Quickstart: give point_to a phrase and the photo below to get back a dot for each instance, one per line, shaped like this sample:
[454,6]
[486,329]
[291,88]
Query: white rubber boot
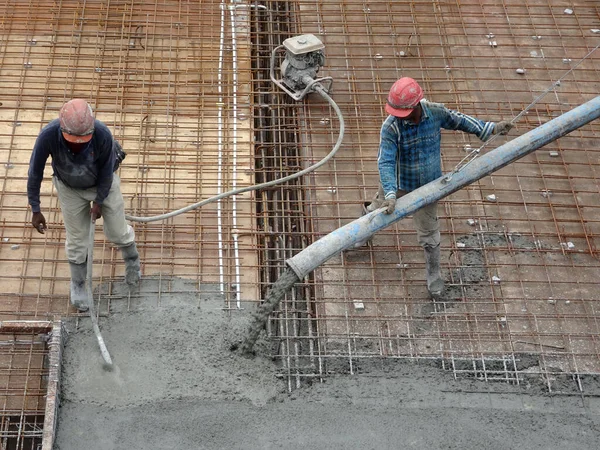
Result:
[133,270]
[435,282]
[79,296]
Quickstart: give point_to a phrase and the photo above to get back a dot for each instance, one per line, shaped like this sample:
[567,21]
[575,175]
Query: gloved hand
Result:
[96,211]
[503,127]
[389,204]
[39,222]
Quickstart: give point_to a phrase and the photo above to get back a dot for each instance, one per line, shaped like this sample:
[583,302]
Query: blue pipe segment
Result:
[364,227]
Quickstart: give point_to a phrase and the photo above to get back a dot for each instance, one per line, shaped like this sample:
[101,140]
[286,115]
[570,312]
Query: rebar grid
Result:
[522,270]
[171,80]
[23,390]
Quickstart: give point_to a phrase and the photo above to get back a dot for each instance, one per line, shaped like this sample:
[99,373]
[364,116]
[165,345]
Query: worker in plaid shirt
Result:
[409,157]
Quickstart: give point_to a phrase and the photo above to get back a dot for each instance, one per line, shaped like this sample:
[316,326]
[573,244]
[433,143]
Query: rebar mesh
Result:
[523,269]
[29,374]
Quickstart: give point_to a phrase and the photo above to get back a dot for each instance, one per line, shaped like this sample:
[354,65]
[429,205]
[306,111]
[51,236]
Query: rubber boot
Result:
[132,264]
[79,295]
[435,283]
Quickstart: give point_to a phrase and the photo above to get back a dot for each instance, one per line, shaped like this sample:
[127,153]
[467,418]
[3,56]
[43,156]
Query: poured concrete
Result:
[178,385]
[179,349]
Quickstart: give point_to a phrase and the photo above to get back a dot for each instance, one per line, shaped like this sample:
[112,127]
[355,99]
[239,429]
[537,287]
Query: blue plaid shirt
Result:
[409,154]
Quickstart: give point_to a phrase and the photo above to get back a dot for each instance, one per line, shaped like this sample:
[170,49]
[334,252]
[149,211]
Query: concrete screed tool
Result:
[108,364]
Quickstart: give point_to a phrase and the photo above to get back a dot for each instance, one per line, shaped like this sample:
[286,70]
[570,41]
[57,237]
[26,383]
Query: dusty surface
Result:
[178,386]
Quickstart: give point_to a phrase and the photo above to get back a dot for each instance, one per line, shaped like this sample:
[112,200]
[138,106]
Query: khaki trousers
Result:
[425,220]
[75,207]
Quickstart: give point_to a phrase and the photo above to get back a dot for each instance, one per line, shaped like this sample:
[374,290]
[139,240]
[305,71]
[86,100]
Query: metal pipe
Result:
[108,364]
[363,228]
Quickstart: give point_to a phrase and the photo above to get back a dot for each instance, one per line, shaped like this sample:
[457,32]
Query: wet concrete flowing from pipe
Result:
[259,318]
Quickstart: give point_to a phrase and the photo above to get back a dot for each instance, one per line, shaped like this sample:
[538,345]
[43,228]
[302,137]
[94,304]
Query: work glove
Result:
[39,222]
[389,204]
[503,127]
[96,211]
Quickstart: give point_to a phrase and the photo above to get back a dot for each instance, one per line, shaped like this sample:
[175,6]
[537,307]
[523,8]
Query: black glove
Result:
[503,127]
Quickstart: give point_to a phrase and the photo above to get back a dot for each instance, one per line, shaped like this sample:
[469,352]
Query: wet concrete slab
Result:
[177,385]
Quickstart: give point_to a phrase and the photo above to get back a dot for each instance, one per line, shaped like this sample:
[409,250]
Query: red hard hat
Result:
[404,96]
[76,121]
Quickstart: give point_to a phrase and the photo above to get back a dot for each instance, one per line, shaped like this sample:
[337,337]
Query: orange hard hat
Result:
[404,96]
[76,121]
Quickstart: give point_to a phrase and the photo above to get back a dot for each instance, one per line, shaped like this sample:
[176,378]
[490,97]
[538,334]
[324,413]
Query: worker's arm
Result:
[386,160]
[37,163]
[35,175]
[105,163]
[454,120]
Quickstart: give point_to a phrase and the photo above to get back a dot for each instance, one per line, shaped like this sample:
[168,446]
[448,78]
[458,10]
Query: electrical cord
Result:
[321,91]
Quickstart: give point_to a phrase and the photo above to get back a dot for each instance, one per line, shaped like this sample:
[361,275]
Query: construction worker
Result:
[84,158]
[409,157]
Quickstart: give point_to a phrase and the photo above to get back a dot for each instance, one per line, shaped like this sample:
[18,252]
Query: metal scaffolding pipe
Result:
[363,228]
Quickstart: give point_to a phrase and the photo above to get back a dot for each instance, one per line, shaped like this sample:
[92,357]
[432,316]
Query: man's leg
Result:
[76,216]
[428,234]
[119,232]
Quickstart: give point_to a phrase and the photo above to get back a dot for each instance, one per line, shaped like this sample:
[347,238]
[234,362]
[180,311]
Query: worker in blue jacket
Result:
[84,158]
[409,157]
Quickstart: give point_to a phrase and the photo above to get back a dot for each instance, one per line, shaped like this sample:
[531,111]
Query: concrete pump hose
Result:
[321,91]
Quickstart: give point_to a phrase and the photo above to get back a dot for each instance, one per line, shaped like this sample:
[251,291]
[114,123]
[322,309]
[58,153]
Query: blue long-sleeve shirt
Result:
[92,166]
[409,154]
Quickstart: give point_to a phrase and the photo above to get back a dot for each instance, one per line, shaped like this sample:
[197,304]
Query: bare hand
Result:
[39,222]
[503,127]
[96,211]
[389,204]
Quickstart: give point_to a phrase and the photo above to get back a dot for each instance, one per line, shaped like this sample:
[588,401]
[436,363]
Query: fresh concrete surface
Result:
[178,386]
